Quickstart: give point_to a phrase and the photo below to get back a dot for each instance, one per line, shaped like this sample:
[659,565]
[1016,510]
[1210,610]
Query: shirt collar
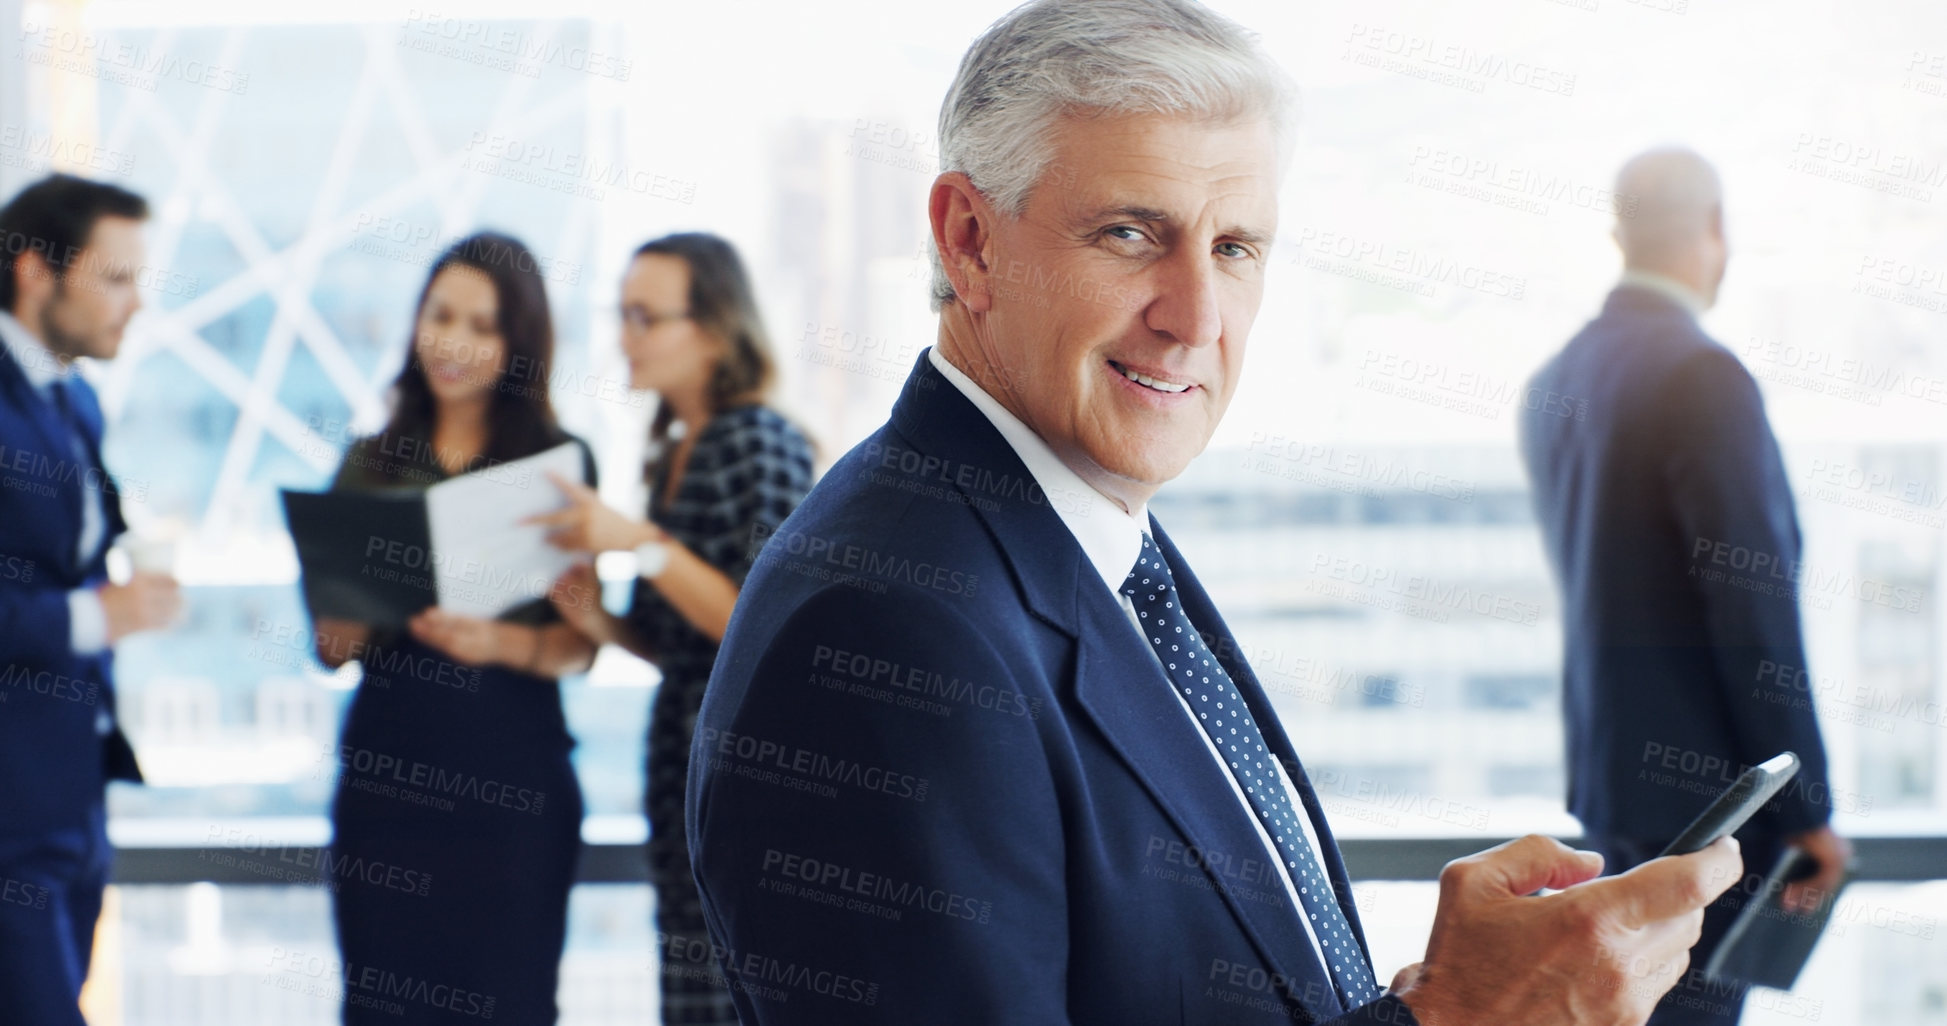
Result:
[1110,538]
[40,366]
[1667,287]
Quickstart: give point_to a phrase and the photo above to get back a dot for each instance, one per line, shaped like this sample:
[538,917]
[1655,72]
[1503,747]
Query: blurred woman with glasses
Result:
[724,469]
[456,825]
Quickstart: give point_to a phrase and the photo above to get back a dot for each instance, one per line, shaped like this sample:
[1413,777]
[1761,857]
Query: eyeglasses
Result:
[639,319]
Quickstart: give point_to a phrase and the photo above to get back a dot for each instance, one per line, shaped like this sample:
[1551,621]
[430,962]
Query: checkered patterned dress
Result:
[749,465]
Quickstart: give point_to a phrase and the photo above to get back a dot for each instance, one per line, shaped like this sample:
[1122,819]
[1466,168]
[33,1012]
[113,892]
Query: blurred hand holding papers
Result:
[487,560]
[380,557]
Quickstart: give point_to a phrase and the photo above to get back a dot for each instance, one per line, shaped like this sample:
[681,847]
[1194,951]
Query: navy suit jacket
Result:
[939,778]
[1666,512]
[53,763]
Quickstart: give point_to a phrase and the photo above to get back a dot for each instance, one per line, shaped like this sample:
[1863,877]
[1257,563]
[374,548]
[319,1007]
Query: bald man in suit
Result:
[1663,663]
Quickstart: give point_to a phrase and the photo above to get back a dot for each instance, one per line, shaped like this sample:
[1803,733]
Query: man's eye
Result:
[1236,249]
[1135,234]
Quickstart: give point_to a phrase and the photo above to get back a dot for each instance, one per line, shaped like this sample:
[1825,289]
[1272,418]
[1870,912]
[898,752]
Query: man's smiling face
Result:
[1118,303]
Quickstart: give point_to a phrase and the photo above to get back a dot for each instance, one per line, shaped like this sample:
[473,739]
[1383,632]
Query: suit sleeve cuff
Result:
[1796,817]
[87,622]
[1387,1011]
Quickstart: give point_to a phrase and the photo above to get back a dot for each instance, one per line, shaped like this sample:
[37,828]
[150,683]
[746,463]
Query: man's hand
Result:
[149,601]
[1598,953]
[1834,854]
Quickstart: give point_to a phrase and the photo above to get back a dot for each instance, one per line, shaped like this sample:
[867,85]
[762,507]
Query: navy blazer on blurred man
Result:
[1666,513]
[59,514]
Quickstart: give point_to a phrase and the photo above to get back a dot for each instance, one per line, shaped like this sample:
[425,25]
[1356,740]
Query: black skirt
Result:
[456,831]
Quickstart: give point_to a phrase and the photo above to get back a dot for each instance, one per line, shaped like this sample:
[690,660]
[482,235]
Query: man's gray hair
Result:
[1048,58]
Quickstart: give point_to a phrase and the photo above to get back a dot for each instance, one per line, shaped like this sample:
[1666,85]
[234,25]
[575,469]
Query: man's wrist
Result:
[89,629]
[1428,1009]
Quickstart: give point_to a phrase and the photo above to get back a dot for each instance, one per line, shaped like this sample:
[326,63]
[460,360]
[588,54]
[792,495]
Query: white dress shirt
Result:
[1667,287]
[87,621]
[1112,539]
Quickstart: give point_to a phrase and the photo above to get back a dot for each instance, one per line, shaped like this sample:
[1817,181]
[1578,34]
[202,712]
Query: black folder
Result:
[365,556]
[1768,944]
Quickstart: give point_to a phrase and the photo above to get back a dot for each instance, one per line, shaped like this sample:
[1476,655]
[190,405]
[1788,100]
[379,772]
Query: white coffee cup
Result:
[149,554]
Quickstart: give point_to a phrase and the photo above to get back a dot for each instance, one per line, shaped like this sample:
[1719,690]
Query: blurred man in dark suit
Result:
[70,253]
[1671,676]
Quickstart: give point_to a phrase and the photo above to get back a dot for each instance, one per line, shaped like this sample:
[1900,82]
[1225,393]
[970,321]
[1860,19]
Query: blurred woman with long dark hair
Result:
[456,824]
[725,468]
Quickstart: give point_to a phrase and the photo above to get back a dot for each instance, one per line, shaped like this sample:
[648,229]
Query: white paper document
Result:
[487,561]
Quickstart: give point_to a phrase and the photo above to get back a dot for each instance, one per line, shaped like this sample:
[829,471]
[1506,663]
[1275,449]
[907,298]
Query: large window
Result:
[1362,516]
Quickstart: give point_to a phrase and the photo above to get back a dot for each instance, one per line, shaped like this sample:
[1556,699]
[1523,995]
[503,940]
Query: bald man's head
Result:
[1675,225]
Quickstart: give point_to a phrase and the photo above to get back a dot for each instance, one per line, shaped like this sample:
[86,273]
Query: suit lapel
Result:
[1044,559]
[1118,683]
[106,491]
[36,407]
[57,447]
[1203,613]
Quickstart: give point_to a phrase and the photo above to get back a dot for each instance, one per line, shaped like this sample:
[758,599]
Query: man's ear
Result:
[962,223]
[33,279]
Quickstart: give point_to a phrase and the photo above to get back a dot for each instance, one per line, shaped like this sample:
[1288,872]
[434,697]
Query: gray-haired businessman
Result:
[966,705]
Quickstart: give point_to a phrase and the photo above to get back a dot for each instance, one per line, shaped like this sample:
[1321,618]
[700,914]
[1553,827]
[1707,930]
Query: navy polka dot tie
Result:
[1210,694]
